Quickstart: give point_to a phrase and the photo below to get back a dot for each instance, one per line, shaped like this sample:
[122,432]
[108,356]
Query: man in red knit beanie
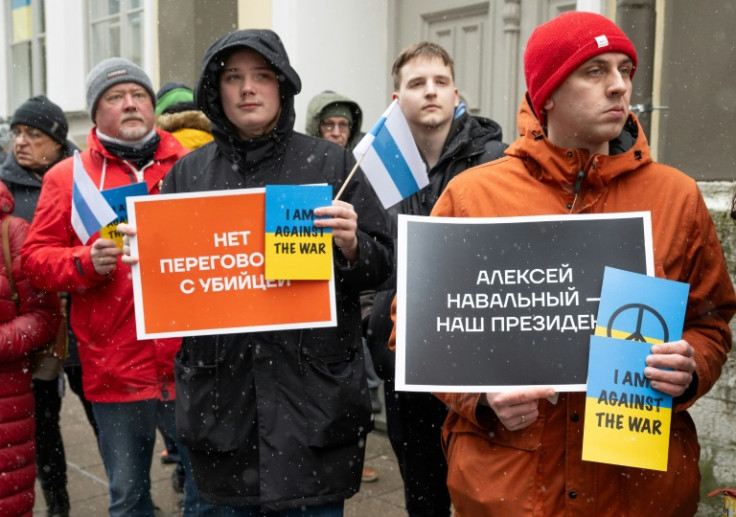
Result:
[580,151]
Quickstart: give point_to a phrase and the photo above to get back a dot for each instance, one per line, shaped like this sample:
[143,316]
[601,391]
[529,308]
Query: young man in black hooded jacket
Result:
[276,421]
[450,141]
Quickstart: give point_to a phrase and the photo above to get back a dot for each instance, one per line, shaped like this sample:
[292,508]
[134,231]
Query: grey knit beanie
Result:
[44,115]
[112,71]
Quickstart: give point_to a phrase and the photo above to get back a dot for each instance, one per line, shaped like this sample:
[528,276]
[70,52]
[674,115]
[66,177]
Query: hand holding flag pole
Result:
[393,164]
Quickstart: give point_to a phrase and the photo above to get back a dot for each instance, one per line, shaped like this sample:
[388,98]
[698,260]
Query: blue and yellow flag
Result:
[22,20]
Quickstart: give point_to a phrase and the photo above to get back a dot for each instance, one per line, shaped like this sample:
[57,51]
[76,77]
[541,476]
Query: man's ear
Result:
[457,98]
[549,104]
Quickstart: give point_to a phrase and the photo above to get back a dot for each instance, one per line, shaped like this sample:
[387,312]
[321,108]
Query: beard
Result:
[133,133]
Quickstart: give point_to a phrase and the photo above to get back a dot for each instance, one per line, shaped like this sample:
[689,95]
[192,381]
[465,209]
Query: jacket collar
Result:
[559,167]
[467,137]
[168,147]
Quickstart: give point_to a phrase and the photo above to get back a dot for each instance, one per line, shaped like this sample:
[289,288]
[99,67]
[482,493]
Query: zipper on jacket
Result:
[78,264]
[299,355]
[217,378]
[139,174]
[576,188]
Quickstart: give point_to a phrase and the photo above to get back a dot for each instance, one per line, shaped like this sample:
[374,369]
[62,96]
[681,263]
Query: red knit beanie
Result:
[557,48]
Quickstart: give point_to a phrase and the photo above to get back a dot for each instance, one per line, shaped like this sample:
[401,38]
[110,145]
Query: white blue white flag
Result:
[390,158]
[90,211]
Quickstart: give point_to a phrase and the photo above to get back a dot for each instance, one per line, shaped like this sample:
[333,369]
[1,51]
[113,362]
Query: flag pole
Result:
[352,172]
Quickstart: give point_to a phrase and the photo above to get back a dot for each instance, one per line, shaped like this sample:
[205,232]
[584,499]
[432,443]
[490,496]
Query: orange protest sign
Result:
[201,269]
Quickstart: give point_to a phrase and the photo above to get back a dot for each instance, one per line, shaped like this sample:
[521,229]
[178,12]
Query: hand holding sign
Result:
[104,254]
[671,367]
[127,232]
[344,223]
[635,370]
[517,409]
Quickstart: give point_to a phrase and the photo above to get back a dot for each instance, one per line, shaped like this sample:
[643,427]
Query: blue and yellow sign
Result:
[627,422]
[116,198]
[295,248]
[638,307]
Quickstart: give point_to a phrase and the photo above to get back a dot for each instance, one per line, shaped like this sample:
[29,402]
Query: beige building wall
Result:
[255,14]
[698,84]
[186,29]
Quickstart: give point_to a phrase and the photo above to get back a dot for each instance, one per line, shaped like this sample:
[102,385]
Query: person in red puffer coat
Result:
[24,326]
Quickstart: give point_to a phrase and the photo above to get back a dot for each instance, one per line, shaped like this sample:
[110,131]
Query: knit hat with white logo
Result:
[557,48]
[112,71]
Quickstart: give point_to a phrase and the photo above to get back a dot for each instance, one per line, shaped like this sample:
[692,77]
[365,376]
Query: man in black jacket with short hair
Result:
[450,141]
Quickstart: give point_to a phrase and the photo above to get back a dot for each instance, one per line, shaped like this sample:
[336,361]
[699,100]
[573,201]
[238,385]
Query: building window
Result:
[27,50]
[116,30]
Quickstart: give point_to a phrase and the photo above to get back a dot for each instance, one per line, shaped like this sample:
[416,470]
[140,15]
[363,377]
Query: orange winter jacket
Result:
[538,471]
[116,366]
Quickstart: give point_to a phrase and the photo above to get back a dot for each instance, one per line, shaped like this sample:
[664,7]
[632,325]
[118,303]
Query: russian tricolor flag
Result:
[90,211]
[390,159]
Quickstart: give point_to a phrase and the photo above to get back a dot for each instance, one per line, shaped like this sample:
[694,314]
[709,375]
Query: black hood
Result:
[269,45]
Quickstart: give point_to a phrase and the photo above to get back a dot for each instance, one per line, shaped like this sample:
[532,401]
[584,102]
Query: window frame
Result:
[130,47]
[35,74]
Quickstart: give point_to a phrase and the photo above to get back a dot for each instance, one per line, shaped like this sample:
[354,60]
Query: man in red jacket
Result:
[129,382]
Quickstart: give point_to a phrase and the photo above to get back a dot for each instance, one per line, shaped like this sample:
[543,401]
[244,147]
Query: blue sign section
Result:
[617,366]
[292,206]
[115,197]
[638,307]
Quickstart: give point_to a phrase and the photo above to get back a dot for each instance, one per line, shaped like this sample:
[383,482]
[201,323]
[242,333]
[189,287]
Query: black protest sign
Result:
[498,303]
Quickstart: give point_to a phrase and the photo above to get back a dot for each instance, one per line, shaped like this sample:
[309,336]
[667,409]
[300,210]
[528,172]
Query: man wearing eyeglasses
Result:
[336,118]
[38,132]
[130,382]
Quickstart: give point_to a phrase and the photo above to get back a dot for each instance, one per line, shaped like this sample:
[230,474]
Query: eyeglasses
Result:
[343,126]
[30,134]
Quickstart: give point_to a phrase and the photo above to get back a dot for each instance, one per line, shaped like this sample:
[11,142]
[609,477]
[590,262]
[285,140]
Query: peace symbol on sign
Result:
[636,334]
